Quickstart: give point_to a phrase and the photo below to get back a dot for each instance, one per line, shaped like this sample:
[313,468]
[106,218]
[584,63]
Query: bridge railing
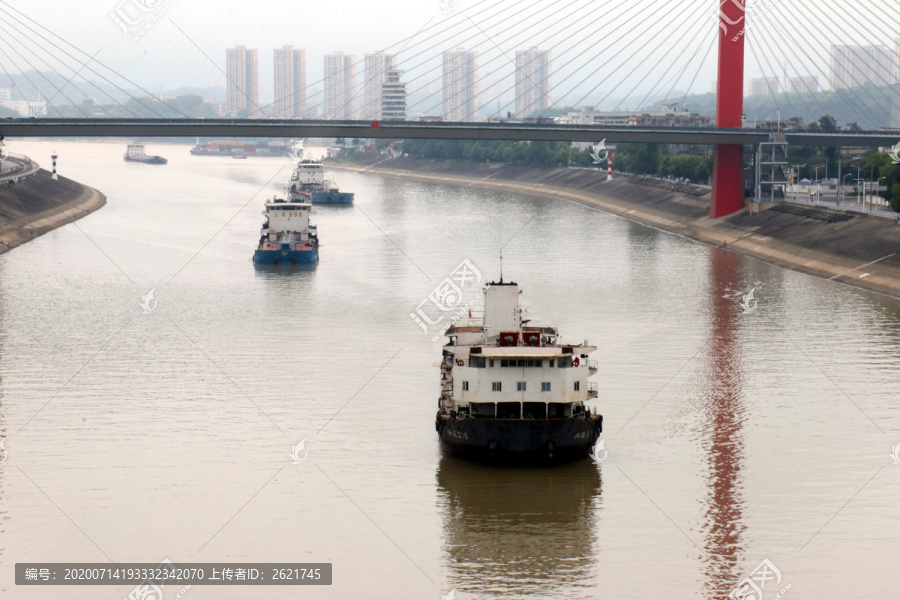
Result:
[14,164]
[848,207]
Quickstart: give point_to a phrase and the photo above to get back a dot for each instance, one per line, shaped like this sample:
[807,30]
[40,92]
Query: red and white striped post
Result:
[609,160]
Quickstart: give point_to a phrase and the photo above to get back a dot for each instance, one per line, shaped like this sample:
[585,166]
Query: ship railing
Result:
[593,366]
[593,390]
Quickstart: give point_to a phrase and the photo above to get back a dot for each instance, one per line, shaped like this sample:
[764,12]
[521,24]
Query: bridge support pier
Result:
[728,166]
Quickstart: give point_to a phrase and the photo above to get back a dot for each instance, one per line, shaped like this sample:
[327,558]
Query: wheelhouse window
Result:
[520,386]
[545,386]
[497,386]
[564,362]
[477,362]
[520,363]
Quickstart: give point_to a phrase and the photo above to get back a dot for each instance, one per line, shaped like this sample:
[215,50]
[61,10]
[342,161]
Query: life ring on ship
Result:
[576,361]
[460,363]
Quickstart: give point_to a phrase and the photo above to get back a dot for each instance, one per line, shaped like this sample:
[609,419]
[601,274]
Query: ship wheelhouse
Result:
[520,382]
[287,222]
[504,369]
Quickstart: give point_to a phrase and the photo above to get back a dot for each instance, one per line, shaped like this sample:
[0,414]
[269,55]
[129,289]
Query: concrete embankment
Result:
[41,204]
[850,248]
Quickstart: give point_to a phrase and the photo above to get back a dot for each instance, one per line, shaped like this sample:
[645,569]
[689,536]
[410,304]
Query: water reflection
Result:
[516,532]
[723,407]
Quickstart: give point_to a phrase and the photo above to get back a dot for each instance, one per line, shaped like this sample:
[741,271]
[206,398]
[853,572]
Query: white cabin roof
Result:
[532,351]
[289,205]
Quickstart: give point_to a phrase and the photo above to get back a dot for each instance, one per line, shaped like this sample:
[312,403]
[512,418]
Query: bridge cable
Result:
[787,34]
[362,61]
[877,87]
[501,54]
[859,88]
[505,91]
[894,103]
[610,23]
[766,36]
[52,69]
[663,12]
[476,34]
[699,69]
[762,68]
[150,94]
[28,79]
[636,43]
[593,57]
[5,39]
[675,74]
[700,16]
[76,73]
[461,42]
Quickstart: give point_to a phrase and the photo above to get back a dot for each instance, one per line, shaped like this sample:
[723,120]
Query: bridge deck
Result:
[276,128]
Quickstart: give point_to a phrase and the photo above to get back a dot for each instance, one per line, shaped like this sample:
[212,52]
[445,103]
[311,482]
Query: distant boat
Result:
[242,148]
[239,157]
[136,153]
[309,184]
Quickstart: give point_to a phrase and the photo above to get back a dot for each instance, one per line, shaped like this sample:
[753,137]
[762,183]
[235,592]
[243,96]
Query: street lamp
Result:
[858,189]
[874,191]
[794,180]
[844,185]
[818,193]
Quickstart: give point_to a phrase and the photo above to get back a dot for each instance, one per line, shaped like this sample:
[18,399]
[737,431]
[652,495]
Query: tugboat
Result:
[136,153]
[514,393]
[287,237]
[308,182]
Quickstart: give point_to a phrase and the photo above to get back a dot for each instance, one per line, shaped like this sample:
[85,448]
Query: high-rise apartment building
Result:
[340,81]
[764,86]
[459,82]
[393,97]
[242,93]
[290,83]
[803,84]
[897,60]
[377,66]
[855,66]
[532,81]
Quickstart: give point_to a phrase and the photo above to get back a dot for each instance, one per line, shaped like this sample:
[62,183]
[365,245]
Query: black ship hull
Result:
[150,160]
[529,441]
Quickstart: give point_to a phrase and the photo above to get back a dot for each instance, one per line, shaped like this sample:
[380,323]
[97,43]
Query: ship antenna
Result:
[501,265]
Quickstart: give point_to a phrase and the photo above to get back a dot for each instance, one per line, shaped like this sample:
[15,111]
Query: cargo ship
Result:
[287,237]
[309,183]
[246,148]
[136,153]
[514,393]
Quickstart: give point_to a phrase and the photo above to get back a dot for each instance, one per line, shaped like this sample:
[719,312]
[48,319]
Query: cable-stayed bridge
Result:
[615,54]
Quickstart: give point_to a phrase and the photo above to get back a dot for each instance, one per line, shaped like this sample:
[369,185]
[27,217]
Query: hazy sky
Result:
[592,52]
[166,55]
